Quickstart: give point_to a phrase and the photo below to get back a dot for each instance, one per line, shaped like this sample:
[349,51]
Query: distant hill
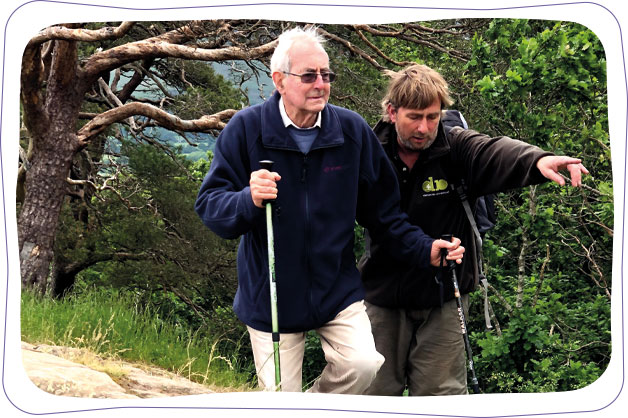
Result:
[257,88]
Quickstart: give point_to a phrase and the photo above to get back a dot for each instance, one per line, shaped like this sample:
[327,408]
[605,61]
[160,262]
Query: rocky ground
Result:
[75,372]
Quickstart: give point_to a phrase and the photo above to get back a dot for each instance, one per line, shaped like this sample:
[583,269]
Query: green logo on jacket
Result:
[431,185]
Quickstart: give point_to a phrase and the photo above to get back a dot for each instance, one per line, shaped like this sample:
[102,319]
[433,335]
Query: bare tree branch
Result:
[402,34]
[84,35]
[115,101]
[135,81]
[352,48]
[95,258]
[584,186]
[501,298]
[541,275]
[158,83]
[159,48]
[32,96]
[163,118]
[588,254]
[379,52]
[448,30]
[525,244]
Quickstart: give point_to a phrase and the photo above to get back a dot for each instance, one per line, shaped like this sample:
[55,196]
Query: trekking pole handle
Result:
[267,165]
[447,237]
[443,251]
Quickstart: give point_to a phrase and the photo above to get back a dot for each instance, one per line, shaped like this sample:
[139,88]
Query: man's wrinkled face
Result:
[416,128]
[303,101]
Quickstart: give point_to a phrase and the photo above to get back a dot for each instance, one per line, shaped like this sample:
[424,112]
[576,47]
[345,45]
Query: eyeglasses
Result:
[311,77]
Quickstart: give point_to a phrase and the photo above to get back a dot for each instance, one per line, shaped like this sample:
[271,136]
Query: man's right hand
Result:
[455,251]
[263,186]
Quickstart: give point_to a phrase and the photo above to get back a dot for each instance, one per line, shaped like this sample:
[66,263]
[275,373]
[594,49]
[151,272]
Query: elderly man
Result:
[414,318]
[329,171]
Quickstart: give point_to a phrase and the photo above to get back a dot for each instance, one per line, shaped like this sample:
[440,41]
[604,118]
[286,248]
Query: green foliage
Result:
[201,166]
[544,82]
[534,354]
[359,85]
[209,94]
[314,359]
[541,80]
[358,247]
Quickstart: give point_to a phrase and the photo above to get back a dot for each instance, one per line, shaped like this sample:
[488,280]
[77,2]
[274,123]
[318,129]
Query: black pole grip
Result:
[450,263]
[445,237]
[267,164]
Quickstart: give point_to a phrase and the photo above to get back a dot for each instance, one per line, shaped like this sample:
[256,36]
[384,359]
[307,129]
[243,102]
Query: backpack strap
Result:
[451,118]
[461,190]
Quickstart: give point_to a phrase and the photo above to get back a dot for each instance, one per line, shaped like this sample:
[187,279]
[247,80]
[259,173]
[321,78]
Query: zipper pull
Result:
[304,170]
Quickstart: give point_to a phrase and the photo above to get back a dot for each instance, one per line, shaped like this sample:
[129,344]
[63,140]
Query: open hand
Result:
[551,164]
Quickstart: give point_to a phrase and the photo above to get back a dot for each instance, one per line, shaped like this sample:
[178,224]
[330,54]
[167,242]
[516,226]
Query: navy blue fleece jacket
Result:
[345,177]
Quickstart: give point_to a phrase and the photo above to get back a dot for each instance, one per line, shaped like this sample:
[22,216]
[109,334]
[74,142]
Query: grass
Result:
[111,324]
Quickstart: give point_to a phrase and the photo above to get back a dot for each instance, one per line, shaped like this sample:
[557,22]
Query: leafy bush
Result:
[314,360]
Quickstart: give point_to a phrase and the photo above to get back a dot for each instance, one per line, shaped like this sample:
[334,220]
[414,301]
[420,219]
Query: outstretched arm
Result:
[550,165]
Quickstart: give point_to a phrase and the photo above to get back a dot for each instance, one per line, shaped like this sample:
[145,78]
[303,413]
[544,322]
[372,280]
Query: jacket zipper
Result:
[304,174]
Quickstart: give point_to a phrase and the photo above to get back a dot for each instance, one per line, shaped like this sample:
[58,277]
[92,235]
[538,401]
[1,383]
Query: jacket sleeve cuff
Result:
[249,210]
[426,254]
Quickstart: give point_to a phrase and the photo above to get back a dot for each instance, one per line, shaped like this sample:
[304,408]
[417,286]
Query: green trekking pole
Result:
[268,165]
[463,322]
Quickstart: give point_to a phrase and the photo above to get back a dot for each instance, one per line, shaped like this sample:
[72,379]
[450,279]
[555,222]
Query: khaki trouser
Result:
[423,349]
[352,360]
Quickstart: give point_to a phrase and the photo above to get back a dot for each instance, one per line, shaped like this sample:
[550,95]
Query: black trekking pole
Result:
[463,322]
[268,165]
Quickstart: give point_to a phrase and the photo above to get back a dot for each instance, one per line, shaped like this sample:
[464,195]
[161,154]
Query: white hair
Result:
[280,61]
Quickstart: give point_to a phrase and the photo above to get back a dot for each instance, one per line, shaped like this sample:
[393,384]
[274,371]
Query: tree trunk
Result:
[54,146]
[37,222]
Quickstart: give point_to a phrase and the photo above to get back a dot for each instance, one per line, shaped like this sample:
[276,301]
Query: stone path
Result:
[58,370]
